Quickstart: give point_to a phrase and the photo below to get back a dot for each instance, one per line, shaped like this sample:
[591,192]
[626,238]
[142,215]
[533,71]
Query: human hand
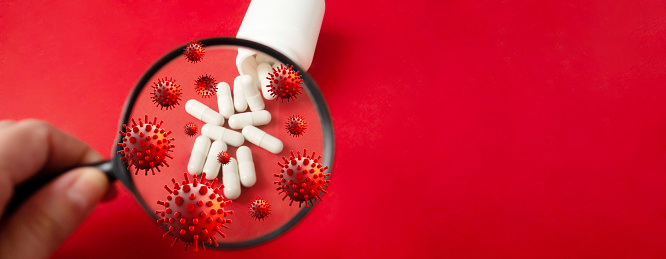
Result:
[31,149]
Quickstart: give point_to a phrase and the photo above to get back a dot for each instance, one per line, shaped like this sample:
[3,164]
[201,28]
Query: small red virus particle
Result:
[166,93]
[194,212]
[260,209]
[301,178]
[205,86]
[146,145]
[296,125]
[285,83]
[223,157]
[194,51]
[190,129]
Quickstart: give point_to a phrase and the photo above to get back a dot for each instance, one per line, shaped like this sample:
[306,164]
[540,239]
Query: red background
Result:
[465,129]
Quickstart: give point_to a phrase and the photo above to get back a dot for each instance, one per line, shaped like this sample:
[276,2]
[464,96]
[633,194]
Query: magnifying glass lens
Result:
[299,123]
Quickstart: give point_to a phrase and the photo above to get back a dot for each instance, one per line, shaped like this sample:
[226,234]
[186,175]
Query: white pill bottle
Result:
[289,26]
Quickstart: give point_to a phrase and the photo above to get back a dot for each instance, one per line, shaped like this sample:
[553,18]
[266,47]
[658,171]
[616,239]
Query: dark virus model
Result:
[194,51]
[223,157]
[205,86]
[296,125]
[190,129]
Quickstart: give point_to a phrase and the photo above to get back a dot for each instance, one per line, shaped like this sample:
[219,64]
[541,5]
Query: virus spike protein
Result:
[285,83]
[194,212]
[260,209]
[296,125]
[194,52]
[146,145]
[302,178]
[166,93]
[205,86]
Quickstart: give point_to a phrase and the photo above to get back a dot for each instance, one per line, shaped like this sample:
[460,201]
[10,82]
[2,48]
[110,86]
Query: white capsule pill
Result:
[240,103]
[248,176]
[225,103]
[263,58]
[215,132]
[258,118]
[202,112]
[212,166]
[251,70]
[198,156]
[263,71]
[262,139]
[231,180]
[252,94]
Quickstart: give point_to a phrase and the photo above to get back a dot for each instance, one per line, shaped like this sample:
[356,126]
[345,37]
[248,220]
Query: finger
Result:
[52,214]
[32,146]
[6,123]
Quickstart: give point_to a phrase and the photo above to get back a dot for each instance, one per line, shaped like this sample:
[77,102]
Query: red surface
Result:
[484,129]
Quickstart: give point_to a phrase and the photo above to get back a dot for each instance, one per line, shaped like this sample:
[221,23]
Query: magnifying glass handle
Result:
[25,190]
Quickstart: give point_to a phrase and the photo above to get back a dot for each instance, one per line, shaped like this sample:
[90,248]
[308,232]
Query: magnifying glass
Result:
[218,64]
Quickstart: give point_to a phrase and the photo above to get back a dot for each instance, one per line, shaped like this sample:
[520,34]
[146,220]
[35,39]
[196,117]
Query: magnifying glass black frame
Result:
[115,169]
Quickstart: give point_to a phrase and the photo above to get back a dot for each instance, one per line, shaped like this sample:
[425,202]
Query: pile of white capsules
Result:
[215,137]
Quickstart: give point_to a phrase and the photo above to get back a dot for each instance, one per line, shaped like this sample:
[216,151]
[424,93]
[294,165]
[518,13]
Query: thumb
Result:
[47,218]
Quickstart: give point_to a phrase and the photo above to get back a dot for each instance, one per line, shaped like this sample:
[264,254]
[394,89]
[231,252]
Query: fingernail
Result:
[88,188]
[91,157]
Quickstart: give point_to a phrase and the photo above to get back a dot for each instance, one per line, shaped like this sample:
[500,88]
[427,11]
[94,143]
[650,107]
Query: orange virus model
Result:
[205,86]
[296,125]
[166,93]
[302,178]
[285,83]
[145,146]
[194,51]
[194,212]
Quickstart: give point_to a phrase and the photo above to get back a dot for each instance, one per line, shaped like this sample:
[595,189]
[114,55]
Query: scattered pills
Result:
[249,91]
[203,113]
[215,132]
[258,118]
[225,103]
[262,139]
[198,155]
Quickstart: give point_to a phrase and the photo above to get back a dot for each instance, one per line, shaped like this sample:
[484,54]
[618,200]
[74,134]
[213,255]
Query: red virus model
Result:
[145,145]
[194,212]
[260,209]
[205,86]
[285,83]
[223,157]
[194,51]
[190,129]
[296,125]
[301,178]
[166,93]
